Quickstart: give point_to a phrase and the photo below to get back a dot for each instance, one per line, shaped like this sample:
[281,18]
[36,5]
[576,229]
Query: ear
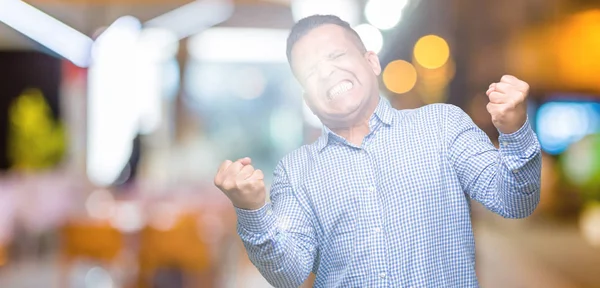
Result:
[373,61]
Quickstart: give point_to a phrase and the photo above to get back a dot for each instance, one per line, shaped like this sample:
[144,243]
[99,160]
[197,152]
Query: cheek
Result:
[311,90]
[367,77]
[312,100]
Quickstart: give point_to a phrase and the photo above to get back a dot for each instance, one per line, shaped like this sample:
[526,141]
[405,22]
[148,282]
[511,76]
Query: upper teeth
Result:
[340,88]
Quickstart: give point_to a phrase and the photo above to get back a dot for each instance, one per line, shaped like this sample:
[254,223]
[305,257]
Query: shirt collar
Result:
[383,113]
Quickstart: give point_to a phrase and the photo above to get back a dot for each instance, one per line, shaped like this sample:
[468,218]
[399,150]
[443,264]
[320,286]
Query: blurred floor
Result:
[529,253]
[513,254]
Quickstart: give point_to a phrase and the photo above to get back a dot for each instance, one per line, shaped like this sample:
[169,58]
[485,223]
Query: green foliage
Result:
[36,140]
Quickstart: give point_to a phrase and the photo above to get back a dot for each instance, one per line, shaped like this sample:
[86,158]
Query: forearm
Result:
[285,259]
[518,187]
[518,176]
[504,180]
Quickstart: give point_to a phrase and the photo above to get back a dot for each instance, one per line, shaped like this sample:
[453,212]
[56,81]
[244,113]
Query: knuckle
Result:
[252,186]
[229,184]
[260,174]
[243,186]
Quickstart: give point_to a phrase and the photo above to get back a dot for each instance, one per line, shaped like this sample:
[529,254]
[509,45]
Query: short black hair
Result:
[309,23]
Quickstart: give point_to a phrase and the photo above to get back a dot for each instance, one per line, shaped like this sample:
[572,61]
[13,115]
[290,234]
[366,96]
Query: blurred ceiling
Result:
[480,33]
[88,16]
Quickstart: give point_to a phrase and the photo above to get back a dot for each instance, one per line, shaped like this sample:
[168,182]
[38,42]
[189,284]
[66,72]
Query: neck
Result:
[354,134]
[357,131]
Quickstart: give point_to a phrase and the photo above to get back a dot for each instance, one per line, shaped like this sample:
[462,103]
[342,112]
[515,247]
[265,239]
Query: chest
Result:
[396,176]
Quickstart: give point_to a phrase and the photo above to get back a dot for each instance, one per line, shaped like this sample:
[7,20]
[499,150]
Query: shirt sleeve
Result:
[505,180]
[279,237]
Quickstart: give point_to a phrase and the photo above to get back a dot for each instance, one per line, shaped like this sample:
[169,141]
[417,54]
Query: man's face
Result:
[339,80]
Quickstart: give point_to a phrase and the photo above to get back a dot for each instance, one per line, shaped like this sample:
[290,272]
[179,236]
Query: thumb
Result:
[245,161]
[257,175]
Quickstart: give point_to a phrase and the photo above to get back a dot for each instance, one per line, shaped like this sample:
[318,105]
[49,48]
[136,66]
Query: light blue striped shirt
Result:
[394,211]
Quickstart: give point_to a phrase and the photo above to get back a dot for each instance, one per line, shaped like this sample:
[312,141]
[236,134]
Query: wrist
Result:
[252,206]
[256,221]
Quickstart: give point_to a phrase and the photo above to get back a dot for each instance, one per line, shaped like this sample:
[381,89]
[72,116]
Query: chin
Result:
[347,103]
[342,110]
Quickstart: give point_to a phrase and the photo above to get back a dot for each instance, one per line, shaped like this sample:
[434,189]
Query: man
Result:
[381,199]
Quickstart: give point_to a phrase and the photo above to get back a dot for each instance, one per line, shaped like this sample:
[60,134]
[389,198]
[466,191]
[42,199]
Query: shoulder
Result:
[433,114]
[297,162]
[433,110]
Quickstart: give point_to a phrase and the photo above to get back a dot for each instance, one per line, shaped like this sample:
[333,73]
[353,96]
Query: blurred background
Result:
[114,116]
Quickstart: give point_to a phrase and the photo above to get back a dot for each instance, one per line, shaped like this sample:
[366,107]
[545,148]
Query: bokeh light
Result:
[431,51]
[98,277]
[285,129]
[164,216]
[589,224]
[433,83]
[347,10]
[578,50]
[127,217]
[371,37]
[250,82]
[559,124]
[581,164]
[564,55]
[399,76]
[100,204]
[384,14]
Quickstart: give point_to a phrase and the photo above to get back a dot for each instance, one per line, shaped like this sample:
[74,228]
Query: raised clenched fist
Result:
[507,103]
[242,184]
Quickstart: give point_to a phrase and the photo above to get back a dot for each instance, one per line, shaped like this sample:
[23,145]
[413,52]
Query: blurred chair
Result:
[178,248]
[95,241]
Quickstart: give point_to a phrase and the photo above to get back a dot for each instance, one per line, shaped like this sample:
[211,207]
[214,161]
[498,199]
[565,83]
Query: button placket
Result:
[375,217]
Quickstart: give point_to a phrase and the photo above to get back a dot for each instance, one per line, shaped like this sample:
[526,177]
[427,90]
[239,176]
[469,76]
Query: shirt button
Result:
[269,212]
[505,144]
[382,275]
[516,171]
[371,189]
[377,229]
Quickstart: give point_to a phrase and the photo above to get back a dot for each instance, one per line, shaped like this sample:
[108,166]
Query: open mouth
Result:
[339,89]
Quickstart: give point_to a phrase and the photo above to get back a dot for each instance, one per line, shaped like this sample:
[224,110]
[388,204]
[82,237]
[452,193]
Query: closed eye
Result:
[332,56]
[336,55]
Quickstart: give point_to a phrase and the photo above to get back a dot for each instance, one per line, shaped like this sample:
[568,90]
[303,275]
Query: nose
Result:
[326,70]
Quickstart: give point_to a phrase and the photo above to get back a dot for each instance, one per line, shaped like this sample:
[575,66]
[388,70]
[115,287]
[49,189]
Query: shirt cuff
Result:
[523,141]
[256,221]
